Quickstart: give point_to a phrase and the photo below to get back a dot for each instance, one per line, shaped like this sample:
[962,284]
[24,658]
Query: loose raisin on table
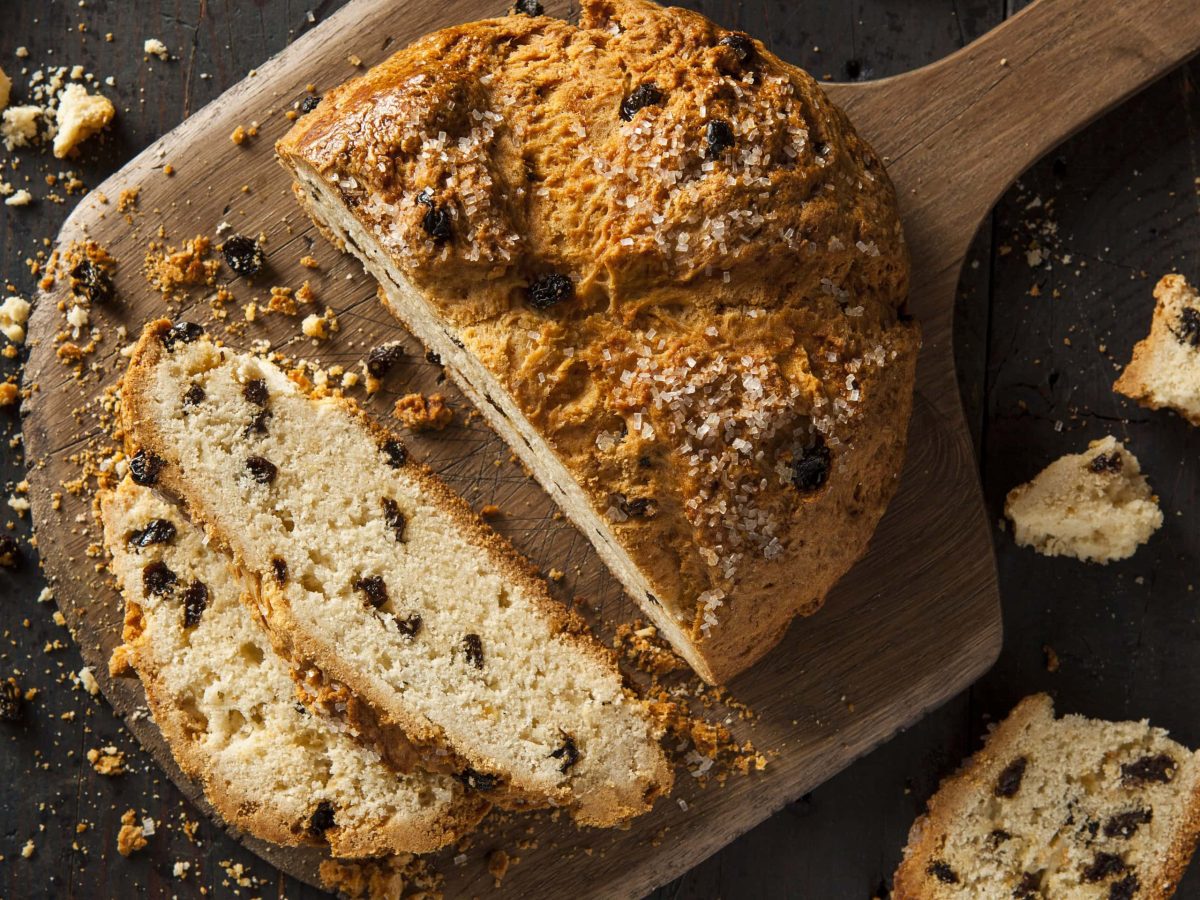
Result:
[639,98]
[261,470]
[437,224]
[1105,865]
[157,578]
[394,518]
[1126,824]
[1106,462]
[157,531]
[10,551]
[145,467]
[1009,781]
[1125,889]
[740,44]
[381,359]
[409,625]
[478,781]
[12,705]
[309,103]
[810,466]
[718,137]
[374,588]
[322,819]
[255,391]
[547,290]
[941,870]
[473,647]
[91,282]
[568,753]
[527,8]
[194,397]
[279,570]
[181,333]
[195,601]
[1188,330]
[243,255]
[396,453]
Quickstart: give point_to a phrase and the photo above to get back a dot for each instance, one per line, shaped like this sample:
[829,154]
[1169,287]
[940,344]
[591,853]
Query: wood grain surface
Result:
[857,623]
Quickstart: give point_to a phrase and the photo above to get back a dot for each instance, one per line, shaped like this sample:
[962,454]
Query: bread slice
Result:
[1095,506]
[669,274]
[1165,369]
[373,572]
[227,705]
[1071,807]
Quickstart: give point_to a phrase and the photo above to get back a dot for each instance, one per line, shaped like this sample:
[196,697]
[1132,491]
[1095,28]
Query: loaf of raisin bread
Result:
[667,271]
[1058,808]
[1095,506]
[227,705]
[370,571]
[1165,369]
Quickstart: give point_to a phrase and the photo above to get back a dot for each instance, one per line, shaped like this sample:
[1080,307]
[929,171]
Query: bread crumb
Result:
[309,262]
[10,394]
[5,89]
[131,838]
[490,511]
[29,849]
[1051,658]
[421,413]
[88,680]
[20,198]
[320,327]
[168,268]
[19,126]
[118,664]
[107,760]
[80,115]
[155,47]
[354,60]
[238,136]
[128,199]
[497,865]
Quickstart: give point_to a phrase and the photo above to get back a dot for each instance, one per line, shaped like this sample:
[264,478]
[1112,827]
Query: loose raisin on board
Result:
[195,601]
[718,137]
[261,470]
[381,359]
[409,625]
[157,578]
[258,423]
[394,518]
[309,103]
[243,255]
[157,531]
[12,706]
[639,98]
[942,872]
[10,551]
[1106,462]
[547,290]
[374,588]
[181,333]
[1188,330]
[396,453]
[279,570]
[478,781]
[740,44]
[91,282]
[1009,781]
[255,391]
[437,224]
[810,466]
[194,397]
[322,819]
[1160,768]
[1105,865]
[1125,889]
[473,647]
[568,753]
[527,8]
[145,467]
[1126,824]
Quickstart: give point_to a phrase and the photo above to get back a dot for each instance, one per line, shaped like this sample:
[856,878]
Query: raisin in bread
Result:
[1058,808]
[1165,369]
[667,271]
[226,704]
[371,571]
[1095,506]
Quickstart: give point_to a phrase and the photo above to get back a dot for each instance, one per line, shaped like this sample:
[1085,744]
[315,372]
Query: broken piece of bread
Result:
[1165,369]
[80,115]
[1058,808]
[1095,506]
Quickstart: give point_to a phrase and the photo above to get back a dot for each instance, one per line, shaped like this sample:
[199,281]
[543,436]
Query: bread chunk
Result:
[371,570]
[1058,808]
[1165,369]
[80,115]
[669,274]
[1095,506]
[227,705]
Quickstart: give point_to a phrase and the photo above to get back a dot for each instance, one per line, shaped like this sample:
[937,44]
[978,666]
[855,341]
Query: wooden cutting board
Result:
[914,623]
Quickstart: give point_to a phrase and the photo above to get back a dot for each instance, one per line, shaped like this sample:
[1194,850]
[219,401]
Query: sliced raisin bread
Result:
[1058,808]
[226,704]
[669,273]
[371,571]
[1095,506]
[1165,369]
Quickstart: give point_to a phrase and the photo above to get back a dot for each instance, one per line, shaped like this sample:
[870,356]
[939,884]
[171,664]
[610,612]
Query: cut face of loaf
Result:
[1165,369]
[1058,808]
[227,704]
[668,273]
[372,571]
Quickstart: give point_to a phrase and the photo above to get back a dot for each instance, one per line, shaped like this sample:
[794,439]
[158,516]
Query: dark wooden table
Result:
[1038,342]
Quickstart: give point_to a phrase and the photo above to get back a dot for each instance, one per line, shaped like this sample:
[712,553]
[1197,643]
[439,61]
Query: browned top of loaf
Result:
[758,292]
